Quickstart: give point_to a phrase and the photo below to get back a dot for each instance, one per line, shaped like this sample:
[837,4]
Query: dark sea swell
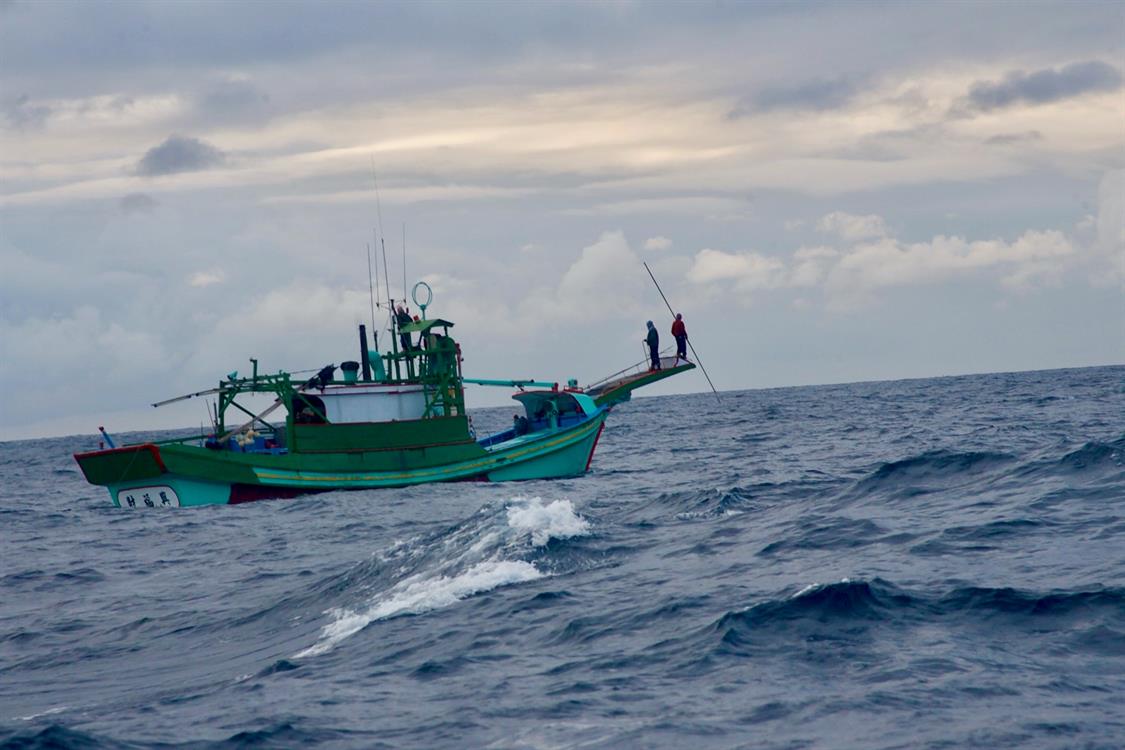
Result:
[931,563]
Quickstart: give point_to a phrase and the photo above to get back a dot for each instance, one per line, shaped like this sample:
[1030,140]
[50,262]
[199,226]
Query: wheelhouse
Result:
[413,392]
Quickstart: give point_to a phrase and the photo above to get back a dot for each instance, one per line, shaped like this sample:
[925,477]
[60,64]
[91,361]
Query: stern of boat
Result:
[137,477]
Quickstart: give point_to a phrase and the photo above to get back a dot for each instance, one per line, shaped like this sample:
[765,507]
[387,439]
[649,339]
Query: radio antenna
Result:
[378,203]
[371,288]
[387,277]
[404,260]
[382,242]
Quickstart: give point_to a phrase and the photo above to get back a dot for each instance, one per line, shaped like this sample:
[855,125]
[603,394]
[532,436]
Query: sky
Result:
[828,192]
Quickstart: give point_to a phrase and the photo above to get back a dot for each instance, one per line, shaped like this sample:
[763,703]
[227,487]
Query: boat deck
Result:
[620,386]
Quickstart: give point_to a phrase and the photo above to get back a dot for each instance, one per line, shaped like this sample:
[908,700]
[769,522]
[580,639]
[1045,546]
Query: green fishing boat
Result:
[389,420]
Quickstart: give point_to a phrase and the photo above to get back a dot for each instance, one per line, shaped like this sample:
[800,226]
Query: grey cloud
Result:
[179,154]
[1042,86]
[890,145]
[21,114]
[138,203]
[234,99]
[818,95]
[1007,139]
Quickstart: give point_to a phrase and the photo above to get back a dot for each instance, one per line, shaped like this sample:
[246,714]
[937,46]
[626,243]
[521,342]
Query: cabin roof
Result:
[422,326]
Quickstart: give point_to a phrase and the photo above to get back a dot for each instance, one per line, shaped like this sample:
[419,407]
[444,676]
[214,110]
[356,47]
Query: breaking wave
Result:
[482,554]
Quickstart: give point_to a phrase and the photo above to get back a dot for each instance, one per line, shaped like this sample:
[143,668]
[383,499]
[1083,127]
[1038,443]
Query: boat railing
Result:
[635,369]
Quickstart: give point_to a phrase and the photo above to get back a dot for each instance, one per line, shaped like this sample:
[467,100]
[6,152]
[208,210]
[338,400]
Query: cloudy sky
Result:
[829,192]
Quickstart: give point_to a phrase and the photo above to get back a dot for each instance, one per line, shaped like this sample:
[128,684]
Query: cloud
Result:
[1110,242]
[748,270]
[482,139]
[22,114]
[810,265]
[752,270]
[891,145]
[59,347]
[1042,86]
[207,278]
[1008,139]
[1034,256]
[658,243]
[138,203]
[592,281]
[819,95]
[875,260]
[179,154]
[605,277]
[234,99]
[709,207]
[851,227]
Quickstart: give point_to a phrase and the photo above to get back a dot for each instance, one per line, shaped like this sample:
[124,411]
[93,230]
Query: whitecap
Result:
[418,595]
[555,520]
[48,712]
[474,558]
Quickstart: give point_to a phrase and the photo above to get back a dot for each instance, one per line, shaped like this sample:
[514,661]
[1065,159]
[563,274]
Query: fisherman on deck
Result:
[653,341]
[679,330]
[402,317]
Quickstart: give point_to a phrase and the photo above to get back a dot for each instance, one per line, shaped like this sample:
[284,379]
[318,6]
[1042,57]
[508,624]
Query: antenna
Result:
[378,203]
[387,277]
[404,260]
[378,291]
[370,288]
[382,242]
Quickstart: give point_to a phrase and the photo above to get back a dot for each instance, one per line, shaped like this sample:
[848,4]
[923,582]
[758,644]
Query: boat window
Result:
[307,409]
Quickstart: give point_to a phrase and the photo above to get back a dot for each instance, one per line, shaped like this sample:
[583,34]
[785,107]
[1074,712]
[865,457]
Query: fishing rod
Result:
[212,391]
[207,392]
[693,352]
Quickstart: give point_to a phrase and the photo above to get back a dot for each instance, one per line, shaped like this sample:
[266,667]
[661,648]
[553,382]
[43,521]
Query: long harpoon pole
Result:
[693,352]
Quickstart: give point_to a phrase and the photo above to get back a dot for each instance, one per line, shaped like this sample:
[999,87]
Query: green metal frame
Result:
[436,366]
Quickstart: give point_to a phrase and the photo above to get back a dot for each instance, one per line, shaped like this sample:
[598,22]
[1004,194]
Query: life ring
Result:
[429,295]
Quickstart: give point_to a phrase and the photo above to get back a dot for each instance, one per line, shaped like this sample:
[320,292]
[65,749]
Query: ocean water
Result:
[916,564]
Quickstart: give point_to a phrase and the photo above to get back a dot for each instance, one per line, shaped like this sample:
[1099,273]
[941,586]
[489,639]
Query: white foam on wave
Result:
[805,590]
[814,587]
[556,520]
[465,574]
[48,712]
[415,596]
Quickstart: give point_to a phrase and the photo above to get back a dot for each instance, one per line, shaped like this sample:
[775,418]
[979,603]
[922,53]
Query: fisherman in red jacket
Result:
[679,331]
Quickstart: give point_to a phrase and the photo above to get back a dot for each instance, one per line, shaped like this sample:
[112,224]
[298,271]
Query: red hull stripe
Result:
[594,447]
[248,493]
[126,449]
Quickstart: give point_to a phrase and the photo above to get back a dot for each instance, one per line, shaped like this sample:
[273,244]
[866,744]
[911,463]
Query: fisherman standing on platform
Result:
[402,317]
[679,330]
[653,341]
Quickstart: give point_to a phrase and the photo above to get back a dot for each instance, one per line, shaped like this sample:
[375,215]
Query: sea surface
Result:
[914,564]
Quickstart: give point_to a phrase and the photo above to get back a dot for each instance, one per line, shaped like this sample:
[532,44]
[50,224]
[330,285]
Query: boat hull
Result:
[183,476]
